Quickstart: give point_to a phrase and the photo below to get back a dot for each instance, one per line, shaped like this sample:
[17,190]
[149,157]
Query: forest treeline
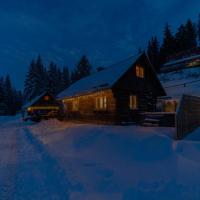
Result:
[10,99]
[53,78]
[186,37]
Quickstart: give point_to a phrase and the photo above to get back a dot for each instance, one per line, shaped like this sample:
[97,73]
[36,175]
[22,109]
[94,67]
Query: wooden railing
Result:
[187,116]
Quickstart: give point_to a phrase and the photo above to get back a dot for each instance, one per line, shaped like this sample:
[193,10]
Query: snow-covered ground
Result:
[62,160]
[185,81]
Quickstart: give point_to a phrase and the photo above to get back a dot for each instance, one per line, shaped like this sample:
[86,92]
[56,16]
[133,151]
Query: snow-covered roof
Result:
[30,103]
[173,62]
[100,80]
[185,81]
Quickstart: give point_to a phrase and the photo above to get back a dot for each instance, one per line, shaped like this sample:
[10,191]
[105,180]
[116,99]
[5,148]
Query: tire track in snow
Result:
[39,174]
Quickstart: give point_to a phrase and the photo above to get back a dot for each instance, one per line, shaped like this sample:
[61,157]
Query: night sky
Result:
[61,30]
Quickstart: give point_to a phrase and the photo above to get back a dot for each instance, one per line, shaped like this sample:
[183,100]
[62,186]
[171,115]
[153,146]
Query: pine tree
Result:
[153,52]
[59,80]
[3,106]
[40,78]
[168,45]
[9,96]
[54,80]
[1,90]
[29,83]
[36,80]
[190,35]
[10,99]
[186,37]
[65,78]
[82,69]
[51,82]
[198,29]
[18,100]
[180,39]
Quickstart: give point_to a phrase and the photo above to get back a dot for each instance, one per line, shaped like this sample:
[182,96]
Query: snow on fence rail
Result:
[187,115]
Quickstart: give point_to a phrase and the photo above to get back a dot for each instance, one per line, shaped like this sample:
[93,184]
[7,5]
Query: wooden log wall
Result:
[87,111]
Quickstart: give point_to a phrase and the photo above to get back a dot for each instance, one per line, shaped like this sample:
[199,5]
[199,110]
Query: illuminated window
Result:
[170,106]
[133,102]
[139,71]
[29,109]
[46,98]
[75,105]
[101,103]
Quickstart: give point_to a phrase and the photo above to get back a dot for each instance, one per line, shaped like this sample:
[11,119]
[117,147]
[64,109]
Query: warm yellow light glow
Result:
[101,103]
[139,71]
[43,108]
[133,102]
[170,106]
[29,109]
[75,105]
[46,98]
[91,94]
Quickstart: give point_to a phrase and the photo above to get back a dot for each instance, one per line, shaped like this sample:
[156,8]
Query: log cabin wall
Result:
[87,110]
[125,114]
[146,89]
[126,87]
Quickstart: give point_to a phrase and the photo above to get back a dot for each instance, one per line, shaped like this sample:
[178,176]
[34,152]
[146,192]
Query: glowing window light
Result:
[75,105]
[29,109]
[133,102]
[46,98]
[139,71]
[101,103]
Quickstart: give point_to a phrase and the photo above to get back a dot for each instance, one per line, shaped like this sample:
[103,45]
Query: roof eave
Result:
[83,93]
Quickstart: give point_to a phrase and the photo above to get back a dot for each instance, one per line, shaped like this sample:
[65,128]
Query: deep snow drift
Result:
[60,160]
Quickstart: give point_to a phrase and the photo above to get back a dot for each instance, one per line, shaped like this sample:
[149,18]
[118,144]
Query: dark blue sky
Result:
[62,30]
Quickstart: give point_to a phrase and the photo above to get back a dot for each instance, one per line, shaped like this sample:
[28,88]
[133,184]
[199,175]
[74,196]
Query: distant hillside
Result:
[185,81]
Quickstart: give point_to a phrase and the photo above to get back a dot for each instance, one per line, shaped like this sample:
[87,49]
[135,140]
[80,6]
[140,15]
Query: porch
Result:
[162,119]
[184,115]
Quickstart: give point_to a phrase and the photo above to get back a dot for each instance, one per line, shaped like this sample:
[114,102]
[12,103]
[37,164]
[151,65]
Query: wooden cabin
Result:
[42,106]
[116,94]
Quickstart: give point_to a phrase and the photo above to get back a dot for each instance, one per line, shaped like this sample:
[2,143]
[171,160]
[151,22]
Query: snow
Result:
[173,62]
[28,104]
[62,160]
[100,80]
[185,81]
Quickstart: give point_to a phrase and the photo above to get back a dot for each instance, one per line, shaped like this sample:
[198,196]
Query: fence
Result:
[187,116]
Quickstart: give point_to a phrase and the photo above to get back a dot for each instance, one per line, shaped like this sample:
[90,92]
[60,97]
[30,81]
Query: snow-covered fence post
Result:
[187,115]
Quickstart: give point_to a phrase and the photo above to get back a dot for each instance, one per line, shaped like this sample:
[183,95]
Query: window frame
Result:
[133,102]
[75,105]
[139,71]
[101,103]
[46,98]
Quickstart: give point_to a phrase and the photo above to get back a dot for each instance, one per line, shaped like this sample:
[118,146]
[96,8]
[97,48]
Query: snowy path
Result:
[27,170]
[8,160]
[54,160]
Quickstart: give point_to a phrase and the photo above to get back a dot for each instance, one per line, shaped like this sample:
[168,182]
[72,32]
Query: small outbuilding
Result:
[43,106]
